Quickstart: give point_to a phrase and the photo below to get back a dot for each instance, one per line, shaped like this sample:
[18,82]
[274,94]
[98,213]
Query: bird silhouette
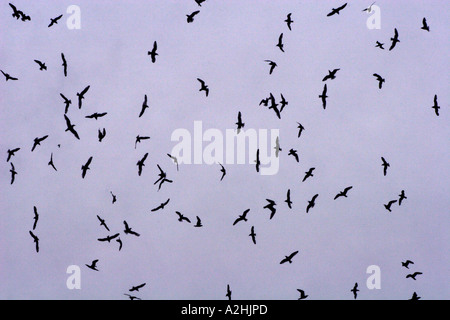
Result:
[120,243]
[257,161]
[101,134]
[415,296]
[141,164]
[273,106]
[300,128]
[407,263]
[85,167]
[389,204]
[379,45]
[136,288]
[64,64]
[93,265]
[42,65]
[289,20]
[131,297]
[190,17]
[109,238]
[324,96]
[16,13]
[8,76]
[13,173]
[277,147]
[67,103]
[294,153]
[413,275]
[161,206]
[102,222]
[36,217]
[242,217]
[302,294]
[343,193]
[401,197]
[162,177]
[228,292]
[199,2]
[224,172]
[239,123]
[54,20]
[253,234]
[385,165]
[203,87]
[436,107]
[380,80]
[288,258]
[37,142]
[81,96]
[394,40]
[50,163]
[331,74]
[311,203]
[369,8]
[283,103]
[128,230]
[144,106]
[182,218]
[198,224]
[425,25]
[71,127]
[96,115]
[271,206]
[139,139]
[308,174]
[355,290]
[36,240]
[280,42]
[288,199]
[153,53]
[272,65]
[336,10]
[11,153]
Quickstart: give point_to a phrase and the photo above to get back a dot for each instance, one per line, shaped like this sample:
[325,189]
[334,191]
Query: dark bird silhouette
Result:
[161,206]
[37,142]
[355,290]
[239,123]
[16,13]
[369,8]
[136,288]
[96,115]
[253,234]
[42,65]
[144,106]
[273,106]
[54,20]
[436,107]
[228,292]
[67,102]
[289,20]
[102,222]
[139,139]
[271,206]
[389,204]
[407,263]
[203,87]
[385,165]
[93,265]
[394,40]
[257,161]
[24,17]
[36,240]
[36,217]
[109,238]
[199,2]
[324,97]
[198,224]
[81,96]
[379,45]
[190,17]
[413,275]
[11,153]
[300,128]
[308,174]
[13,173]
[415,296]
[302,294]
[380,80]
[224,172]
[120,243]
[272,65]
[85,167]
[71,127]
[311,203]
[283,103]
[280,42]
[277,146]
[294,153]
[242,217]
[64,64]
[182,218]
[288,258]
[114,197]
[401,197]
[336,10]
[50,163]
[141,164]
[101,134]
[8,76]
[425,25]
[331,75]
[131,297]
[162,178]
[153,53]
[128,230]
[264,102]
[288,199]
[343,193]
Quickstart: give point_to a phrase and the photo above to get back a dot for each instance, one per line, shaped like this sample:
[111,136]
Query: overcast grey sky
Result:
[226,45]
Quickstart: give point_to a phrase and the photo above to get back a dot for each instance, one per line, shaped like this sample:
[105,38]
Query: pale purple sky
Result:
[226,46]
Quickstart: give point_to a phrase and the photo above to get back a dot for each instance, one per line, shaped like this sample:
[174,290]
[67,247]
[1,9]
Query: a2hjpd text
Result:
[231,309]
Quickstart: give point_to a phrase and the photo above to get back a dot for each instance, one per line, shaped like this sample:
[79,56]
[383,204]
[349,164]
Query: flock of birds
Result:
[269,102]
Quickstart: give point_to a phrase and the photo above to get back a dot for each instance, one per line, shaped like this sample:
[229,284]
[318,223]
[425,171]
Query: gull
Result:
[67,102]
[385,165]
[289,20]
[42,65]
[85,167]
[273,106]
[182,218]
[54,20]
[132,297]
[190,17]
[369,8]
[379,79]
[272,65]
[203,87]
[101,134]
[224,172]
[379,45]
[239,124]
[16,13]
[64,64]
[13,173]
[93,265]
[198,224]
[199,2]
[355,290]
[102,222]
[407,263]
[293,153]
[413,275]
[70,127]
[153,53]
[242,217]
[81,96]
[7,76]
[36,217]
[161,206]
[37,141]
[271,206]
[324,97]
[288,199]
[175,160]
[415,296]
[280,42]
[144,106]
[136,288]
[343,193]
[96,115]
[388,206]
[35,239]
[436,107]
[277,146]
[311,203]
[300,129]
[425,25]
[308,174]
[253,234]
[394,40]
[139,139]
[336,10]
[401,197]
[228,292]
[331,74]
[288,258]
[128,230]
[109,238]
[50,163]
[283,103]
[302,294]
[11,153]
[257,161]
[141,164]
[162,178]
[120,243]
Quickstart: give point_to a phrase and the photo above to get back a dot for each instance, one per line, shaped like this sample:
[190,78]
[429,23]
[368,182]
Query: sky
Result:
[226,45]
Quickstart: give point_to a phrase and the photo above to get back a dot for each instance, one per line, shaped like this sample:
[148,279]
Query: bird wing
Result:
[342,7]
[348,188]
[85,90]
[293,254]
[89,161]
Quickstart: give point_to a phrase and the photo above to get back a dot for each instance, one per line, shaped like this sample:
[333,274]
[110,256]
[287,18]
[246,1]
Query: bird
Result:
[190,17]
[242,217]
[425,25]
[380,80]
[385,165]
[11,153]
[162,177]
[96,115]
[139,139]
[109,238]
[272,65]
[280,42]
[355,290]
[273,106]
[8,76]
[13,173]
[35,239]
[302,294]
[308,174]
[67,102]
[161,206]
[136,288]
[294,153]
[257,161]
[271,206]
[239,124]
[224,172]
[50,163]
[199,2]
[85,167]
[36,217]
[379,45]
[42,65]
[37,141]
[401,197]
[101,134]
[64,64]
[413,275]
[394,40]
[336,10]
[288,199]
[54,20]
[415,296]
[331,74]
[198,224]
[128,230]
[153,53]
[277,146]
[288,258]
[81,96]
[436,107]
[343,193]
[300,128]
[203,87]
[389,204]
[120,243]
[283,103]
[407,263]
[144,106]
[311,203]
[131,297]
[369,8]
[228,292]
[182,218]
[93,265]
[102,222]
[70,127]
[289,20]
[253,234]
[16,13]
[141,164]
[324,97]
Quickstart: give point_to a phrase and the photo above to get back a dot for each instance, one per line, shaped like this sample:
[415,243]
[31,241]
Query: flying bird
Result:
[407,263]
[203,87]
[239,124]
[182,218]
[289,20]
[109,238]
[228,292]
[324,97]
[300,128]
[288,199]
[85,167]
[11,153]
[37,141]
[277,146]
[8,76]
[120,243]
[42,65]
[198,224]
[161,206]
[35,239]
[389,204]
[401,197]
[81,96]
[355,290]
[271,206]
[136,288]
[283,103]
[64,64]
[394,40]
[199,2]
[190,17]
[96,115]
[369,8]
[336,10]
[272,65]
[308,174]
[93,265]
[280,42]
[174,159]
[54,20]
[50,163]
[139,139]
[273,106]
[242,217]
[331,74]
[224,172]
[144,106]
[425,25]
[67,102]
[379,45]
[13,173]
[70,127]
[288,258]
[101,134]
[311,203]
[36,217]
[415,296]
[102,222]
[385,165]
[436,107]
[380,80]
[294,153]
[253,234]
[131,297]
[257,161]
[162,177]
[128,230]
[302,294]
[16,13]
[141,164]
[343,193]
[153,53]
[413,275]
